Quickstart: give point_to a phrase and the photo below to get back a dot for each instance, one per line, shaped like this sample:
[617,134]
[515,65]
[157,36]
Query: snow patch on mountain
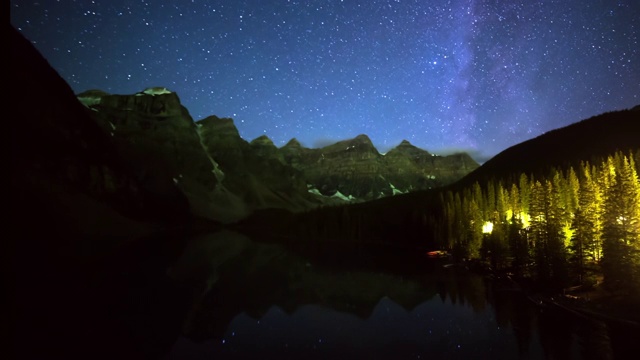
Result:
[156,91]
[90,101]
[216,168]
[341,196]
[395,190]
[338,195]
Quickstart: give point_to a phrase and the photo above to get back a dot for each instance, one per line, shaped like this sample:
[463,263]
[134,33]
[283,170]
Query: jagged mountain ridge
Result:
[152,130]
[259,180]
[354,167]
[259,174]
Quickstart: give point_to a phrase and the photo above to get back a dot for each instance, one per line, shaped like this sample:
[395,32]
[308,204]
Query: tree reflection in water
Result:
[382,304]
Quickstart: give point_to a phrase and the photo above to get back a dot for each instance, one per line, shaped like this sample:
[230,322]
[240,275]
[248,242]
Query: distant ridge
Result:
[594,137]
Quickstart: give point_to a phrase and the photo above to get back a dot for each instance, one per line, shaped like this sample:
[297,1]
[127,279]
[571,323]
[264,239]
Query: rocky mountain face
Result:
[155,133]
[65,170]
[355,169]
[411,168]
[254,172]
[265,148]
[229,177]
[351,167]
[225,177]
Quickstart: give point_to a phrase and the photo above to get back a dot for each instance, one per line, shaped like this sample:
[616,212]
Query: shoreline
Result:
[596,303]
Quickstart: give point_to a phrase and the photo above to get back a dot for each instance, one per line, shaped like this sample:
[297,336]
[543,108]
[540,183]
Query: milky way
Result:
[473,75]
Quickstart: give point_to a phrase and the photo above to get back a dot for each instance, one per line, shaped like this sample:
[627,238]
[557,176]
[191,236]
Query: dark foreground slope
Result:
[80,227]
[66,175]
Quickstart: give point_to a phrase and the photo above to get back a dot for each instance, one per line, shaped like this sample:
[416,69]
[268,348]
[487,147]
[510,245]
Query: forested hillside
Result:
[560,229]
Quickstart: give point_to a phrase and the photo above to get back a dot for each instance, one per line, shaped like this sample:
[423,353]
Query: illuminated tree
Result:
[621,232]
[586,226]
[546,231]
[474,228]
[591,202]
[476,192]
[459,233]
[572,191]
[498,238]
[490,205]
[448,221]
[582,232]
[518,246]
[539,236]
[513,203]
[565,221]
[525,191]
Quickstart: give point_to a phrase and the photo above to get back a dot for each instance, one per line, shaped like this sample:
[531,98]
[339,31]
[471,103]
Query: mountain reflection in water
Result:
[259,300]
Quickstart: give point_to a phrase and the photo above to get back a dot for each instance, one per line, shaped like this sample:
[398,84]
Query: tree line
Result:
[560,229]
[565,226]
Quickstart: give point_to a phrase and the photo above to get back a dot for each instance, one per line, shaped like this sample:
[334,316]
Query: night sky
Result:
[472,75]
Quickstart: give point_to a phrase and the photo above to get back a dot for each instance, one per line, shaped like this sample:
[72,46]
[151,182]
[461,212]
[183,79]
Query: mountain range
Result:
[225,178]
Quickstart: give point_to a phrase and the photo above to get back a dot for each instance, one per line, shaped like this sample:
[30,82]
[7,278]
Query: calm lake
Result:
[260,300]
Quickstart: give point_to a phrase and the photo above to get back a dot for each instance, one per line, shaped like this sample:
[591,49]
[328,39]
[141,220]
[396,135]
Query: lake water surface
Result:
[259,300]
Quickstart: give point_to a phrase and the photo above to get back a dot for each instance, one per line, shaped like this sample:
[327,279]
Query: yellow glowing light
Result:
[526,220]
[509,214]
[487,228]
[568,234]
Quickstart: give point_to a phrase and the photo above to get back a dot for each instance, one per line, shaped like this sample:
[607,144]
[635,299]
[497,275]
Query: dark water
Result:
[258,300]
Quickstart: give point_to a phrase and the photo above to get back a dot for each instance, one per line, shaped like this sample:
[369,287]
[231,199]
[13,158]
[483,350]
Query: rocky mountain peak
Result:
[363,142]
[91,97]
[360,144]
[156,90]
[219,126]
[405,148]
[264,147]
[262,141]
[293,144]
[406,145]
[363,138]
[152,103]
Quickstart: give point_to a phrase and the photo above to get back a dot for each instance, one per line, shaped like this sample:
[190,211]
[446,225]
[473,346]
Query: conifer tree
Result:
[549,249]
[500,232]
[621,235]
[459,234]
[474,229]
[539,236]
[573,190]
[514,202]
[582,232]
[591,203]
[525,191]
[518,247]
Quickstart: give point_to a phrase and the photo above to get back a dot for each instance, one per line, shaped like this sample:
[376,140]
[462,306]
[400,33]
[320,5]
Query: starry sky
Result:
[447,75]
